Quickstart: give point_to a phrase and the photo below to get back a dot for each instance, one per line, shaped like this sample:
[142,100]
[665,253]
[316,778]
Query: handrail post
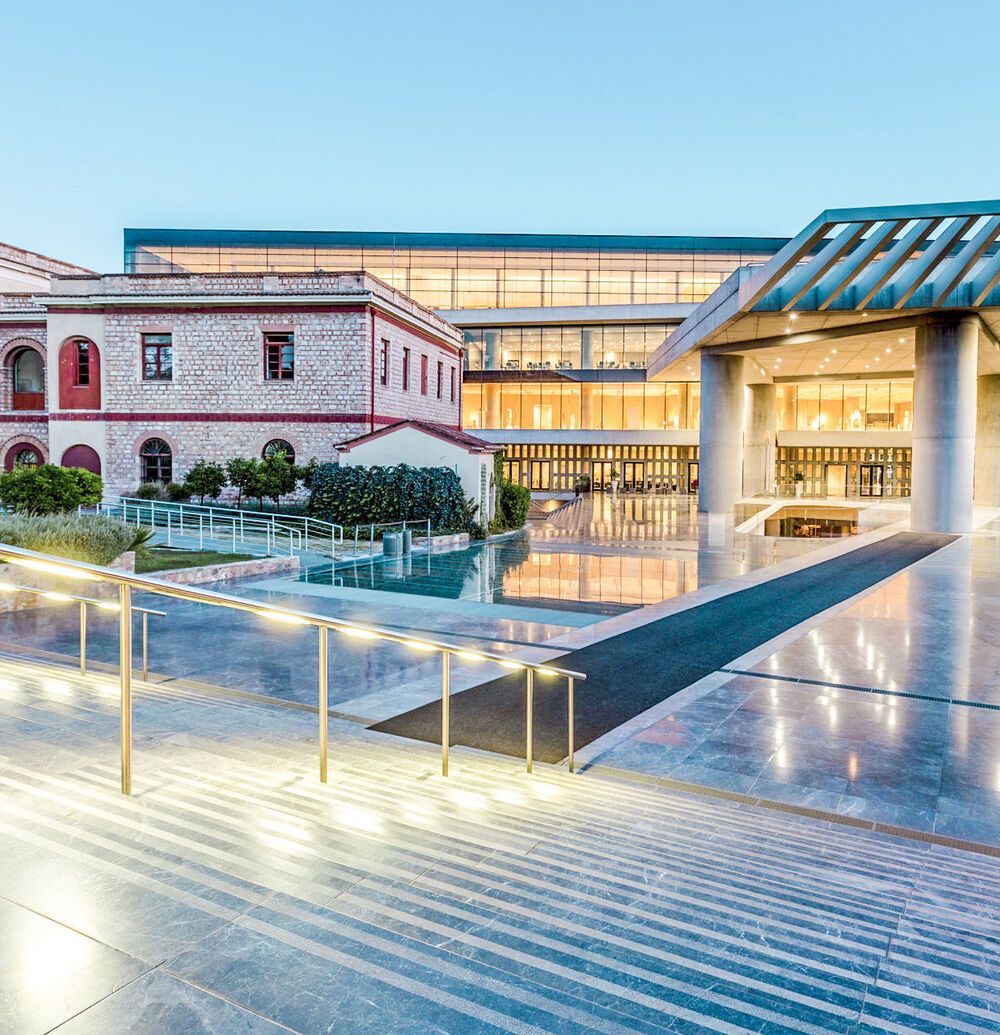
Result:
[445,709]
[201,532]
[170,532]
[569,719]
[83,638]
[145,646]
[324,700]
[125,676]
[529,711]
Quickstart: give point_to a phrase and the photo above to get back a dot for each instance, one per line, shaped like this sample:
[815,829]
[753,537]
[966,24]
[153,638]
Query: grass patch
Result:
[167,559]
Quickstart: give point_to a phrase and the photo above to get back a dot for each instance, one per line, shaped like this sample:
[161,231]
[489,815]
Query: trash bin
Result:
[407,540]
[392,544]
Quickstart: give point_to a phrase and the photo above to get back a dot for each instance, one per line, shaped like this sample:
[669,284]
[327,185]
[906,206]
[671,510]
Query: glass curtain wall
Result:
[604,347]
[575,406]
[479,278]
[851,406]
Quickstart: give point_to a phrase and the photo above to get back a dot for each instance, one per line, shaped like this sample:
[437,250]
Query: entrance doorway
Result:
[603,471]
[836,480]
[632,476]
[693,476]
[540,475]
[871,479]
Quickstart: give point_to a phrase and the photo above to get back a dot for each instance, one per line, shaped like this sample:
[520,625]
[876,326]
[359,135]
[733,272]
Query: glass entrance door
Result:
[836,480]
[632,476]
[602,473]
[871,479]
[540,475]
[692,476]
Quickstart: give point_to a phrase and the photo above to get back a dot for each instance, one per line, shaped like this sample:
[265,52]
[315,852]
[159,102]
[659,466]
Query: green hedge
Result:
[512,506]
[380,495]
[97,540]
[49,489]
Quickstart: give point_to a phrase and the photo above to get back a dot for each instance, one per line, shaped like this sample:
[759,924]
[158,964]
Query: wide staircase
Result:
[393,899]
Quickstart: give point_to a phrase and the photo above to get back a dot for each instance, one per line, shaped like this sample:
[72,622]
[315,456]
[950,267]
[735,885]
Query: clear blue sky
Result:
[705,117]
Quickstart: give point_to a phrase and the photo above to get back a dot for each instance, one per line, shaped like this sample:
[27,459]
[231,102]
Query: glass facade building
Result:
[564,387]
[469,271]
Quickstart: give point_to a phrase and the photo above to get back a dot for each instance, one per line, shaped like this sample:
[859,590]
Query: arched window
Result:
[279,445]
[82,456]
[79,375]
[29,380]
[22,454]
[157,461]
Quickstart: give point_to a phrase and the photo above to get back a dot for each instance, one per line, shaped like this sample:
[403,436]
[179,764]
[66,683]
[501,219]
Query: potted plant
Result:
[799,478]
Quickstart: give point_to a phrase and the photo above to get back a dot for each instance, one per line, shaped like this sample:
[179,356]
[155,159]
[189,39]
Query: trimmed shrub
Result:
[49,489]
[97,540]
[379,495]
[149,491]
[513,502]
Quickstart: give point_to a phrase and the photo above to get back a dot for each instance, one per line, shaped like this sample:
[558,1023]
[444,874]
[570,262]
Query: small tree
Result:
[205,479]
[277,477]
[49,489]
[244,476]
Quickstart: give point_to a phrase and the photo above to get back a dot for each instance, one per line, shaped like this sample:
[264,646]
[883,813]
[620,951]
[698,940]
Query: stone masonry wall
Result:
[20,427]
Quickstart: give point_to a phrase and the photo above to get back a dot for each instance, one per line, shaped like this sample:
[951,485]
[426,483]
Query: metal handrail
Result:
[127,581]
[104,605]
[300,529]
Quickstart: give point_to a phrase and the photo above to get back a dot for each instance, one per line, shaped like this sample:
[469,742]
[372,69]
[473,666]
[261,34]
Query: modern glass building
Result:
[558,332]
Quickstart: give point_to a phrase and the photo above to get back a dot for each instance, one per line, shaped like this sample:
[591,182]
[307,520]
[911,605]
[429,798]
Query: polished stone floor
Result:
[234,893]
[888,710]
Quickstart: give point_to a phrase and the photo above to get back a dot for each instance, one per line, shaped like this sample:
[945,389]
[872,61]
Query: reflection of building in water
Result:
[607,579]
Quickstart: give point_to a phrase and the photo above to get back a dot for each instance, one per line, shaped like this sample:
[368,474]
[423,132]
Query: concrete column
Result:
[491,391]
[944,424]
[587,348]
[759,439]
[987,486]
[491,350]
[720,438]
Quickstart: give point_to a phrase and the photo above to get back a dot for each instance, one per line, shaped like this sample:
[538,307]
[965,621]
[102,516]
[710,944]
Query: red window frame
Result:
[385,361]
[423,375]
[82,379]
[452,370]
[279,364]
[157,348]
[440,380]
[406,370]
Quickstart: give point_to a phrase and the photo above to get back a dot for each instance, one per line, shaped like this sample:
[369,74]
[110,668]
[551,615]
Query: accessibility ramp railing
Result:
[185,523]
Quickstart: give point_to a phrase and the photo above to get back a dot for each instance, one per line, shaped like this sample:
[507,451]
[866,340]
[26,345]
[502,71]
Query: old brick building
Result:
[146,374]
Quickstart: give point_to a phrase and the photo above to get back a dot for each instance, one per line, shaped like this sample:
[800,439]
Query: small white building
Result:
[423,444]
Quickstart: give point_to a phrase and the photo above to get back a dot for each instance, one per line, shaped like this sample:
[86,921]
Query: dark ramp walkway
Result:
[628,673]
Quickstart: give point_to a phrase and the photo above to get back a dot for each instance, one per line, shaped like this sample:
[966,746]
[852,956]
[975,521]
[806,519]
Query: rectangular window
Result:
[452,384]
[157,357]
[423,375]
[279,357]
[385,362]
[82,363]
[406,370]
[440,380]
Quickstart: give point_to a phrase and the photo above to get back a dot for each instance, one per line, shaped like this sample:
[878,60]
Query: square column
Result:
[987,487]
[944,424]
[720,437]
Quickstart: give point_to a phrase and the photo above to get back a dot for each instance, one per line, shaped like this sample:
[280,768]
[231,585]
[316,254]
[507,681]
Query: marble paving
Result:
[922,752]
[235,893]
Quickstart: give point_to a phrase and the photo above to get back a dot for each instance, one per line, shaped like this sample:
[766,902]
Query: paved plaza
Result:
[806,840]
[234,893]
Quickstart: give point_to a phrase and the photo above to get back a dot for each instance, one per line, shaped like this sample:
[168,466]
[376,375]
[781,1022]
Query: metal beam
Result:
[803,278]
[929,261]
[989,277]
[837,281]
[788,257]
[955,269]
[878,273]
